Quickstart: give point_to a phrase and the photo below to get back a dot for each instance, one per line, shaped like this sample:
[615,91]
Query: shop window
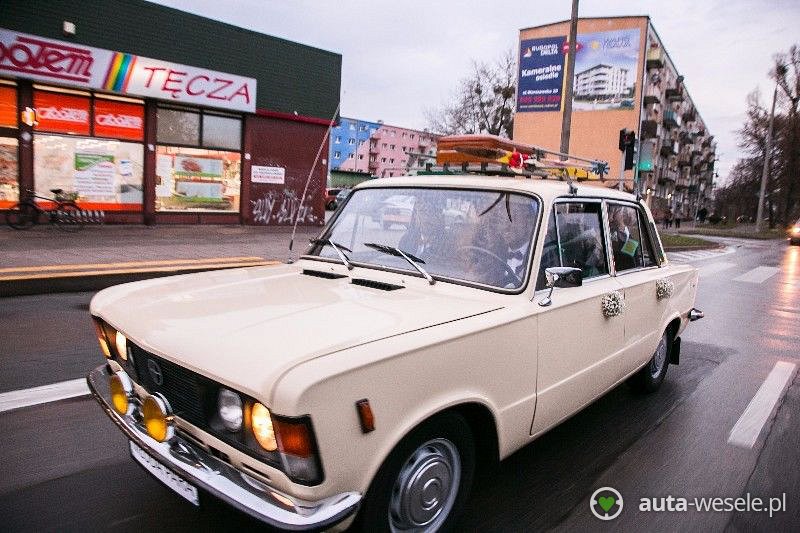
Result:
[222,132]
[178,127]
[9,186]
[196,179]
[103,173]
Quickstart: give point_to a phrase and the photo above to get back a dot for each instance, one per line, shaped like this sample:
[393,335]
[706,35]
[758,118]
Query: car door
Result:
[578,344]
[636,269]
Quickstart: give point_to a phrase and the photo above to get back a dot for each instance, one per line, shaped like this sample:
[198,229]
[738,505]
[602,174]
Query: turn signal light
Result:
[294,438]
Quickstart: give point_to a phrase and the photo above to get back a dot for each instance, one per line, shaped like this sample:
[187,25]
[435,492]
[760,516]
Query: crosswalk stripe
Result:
[44,394]
[714,268]
[757,275]
[747,429]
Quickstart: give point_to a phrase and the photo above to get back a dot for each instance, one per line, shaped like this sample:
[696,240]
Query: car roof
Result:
[548,189]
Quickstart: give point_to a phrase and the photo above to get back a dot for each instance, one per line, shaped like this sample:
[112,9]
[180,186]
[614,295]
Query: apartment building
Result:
[624,79]
[379,149]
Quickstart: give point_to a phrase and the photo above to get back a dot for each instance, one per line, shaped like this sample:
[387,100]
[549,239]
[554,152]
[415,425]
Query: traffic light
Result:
[627,142]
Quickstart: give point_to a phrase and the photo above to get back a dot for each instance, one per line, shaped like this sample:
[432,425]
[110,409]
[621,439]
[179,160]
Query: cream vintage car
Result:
[365,383]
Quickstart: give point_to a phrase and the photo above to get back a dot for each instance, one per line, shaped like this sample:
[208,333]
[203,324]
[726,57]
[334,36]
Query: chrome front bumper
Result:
[204,471]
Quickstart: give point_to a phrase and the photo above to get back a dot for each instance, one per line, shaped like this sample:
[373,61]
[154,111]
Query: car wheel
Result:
[425,481]
[649,378]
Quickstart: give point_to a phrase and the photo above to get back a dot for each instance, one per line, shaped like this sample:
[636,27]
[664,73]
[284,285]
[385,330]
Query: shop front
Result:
[144,140]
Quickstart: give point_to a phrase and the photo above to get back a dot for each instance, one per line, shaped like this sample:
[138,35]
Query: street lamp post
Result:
[566,118]
[780,72]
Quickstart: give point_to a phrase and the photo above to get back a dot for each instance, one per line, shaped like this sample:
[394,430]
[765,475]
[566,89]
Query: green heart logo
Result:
[606,502]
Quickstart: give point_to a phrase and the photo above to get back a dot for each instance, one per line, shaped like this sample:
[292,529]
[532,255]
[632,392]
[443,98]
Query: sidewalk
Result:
[44,259]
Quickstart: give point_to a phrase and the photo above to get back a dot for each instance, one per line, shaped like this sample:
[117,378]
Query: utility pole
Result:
[566,118]
[765,170]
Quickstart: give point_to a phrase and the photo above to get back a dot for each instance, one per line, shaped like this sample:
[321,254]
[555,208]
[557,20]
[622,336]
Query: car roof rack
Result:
[493,155]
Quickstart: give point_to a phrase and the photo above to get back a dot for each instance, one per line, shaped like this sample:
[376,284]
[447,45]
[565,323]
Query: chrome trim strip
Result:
[223,481]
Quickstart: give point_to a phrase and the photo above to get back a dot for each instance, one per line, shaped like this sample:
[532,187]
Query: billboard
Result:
[606,68]
[540,82]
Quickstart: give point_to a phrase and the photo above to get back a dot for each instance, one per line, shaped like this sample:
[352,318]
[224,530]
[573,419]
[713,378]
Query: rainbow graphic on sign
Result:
[119,73]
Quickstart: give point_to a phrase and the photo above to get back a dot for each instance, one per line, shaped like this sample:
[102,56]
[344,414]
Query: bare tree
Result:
[483,102]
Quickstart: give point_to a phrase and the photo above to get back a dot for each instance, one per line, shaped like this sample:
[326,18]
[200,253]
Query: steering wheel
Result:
[495,258]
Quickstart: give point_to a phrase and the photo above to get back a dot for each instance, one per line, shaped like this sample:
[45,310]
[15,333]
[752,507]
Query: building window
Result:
[337,155]
[363,127]
[391,160]
[392,147]
[352,126]
[222,132]
[350,155]
[384,145]
[412,135]
[404,134]
[337,140]
[178,127]
[383,160]
[351,141]
[360,157]
[372,159]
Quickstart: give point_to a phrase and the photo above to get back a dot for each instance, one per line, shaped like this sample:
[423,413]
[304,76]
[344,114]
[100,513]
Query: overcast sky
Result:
[401,57]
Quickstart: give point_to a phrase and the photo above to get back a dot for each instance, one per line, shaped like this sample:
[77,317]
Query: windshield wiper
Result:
[336,248]
[397,252]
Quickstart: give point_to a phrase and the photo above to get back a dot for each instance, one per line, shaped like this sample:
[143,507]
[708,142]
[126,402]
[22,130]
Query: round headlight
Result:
[121,389]
[157,417]
[229,406]
[262,427]
[122,345]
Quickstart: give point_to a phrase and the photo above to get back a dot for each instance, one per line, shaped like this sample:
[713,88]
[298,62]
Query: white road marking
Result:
[44,394]
[757,275]
[713,268]
[697,255]
[747,429]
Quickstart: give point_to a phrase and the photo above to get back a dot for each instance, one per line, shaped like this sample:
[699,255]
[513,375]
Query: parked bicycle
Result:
[65,214]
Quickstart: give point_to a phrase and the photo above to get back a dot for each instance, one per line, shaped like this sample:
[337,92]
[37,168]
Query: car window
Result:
[477,236]
[577,229]
[625,237]
[649,258]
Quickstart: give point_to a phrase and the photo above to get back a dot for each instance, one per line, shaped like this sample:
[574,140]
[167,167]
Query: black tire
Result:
[68,217]
[22,216]
[436,450]
[650,377]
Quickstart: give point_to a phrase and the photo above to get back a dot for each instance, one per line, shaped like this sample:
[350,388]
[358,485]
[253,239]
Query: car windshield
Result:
[481,237]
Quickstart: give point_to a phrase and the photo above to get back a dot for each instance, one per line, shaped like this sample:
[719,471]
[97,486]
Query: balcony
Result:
[675,94]
[650,129]
[681,183]
[667,175]
[689,115]
[669,148]
[671,119]
[652,95]
[655,58]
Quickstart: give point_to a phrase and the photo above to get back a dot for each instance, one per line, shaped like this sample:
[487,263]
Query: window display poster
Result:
[94,175]
[203,167]
[260,174]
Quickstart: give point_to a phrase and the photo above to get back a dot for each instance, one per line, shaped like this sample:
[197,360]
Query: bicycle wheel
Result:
[68,217]
[22,216]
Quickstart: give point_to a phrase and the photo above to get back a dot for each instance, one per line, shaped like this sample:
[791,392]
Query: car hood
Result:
[247,327]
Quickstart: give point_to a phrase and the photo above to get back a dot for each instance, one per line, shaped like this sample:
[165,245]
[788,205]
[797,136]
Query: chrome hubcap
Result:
[659,358]
[426,489]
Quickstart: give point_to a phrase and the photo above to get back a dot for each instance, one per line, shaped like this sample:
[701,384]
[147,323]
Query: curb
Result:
[26,281]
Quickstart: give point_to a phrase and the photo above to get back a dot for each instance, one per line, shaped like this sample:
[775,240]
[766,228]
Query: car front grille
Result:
[185,390]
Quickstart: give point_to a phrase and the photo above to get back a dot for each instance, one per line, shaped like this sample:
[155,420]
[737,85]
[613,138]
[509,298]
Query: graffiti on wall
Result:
[282,208]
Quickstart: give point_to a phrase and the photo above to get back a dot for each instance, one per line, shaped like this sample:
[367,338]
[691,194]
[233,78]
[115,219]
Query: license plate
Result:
[165,475]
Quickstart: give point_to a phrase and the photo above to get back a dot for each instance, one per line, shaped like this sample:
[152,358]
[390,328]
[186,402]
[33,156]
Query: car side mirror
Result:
[561,277]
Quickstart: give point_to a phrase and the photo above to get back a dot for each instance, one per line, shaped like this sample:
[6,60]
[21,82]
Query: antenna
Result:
[310,173]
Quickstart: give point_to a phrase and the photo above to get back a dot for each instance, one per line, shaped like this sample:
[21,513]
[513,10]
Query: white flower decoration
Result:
[613,304]
[664,289]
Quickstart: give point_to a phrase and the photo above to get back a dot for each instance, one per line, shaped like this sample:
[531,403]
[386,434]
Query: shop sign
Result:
[276,175]
[29,56]
[8,107]
[61,113]
[118,119]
